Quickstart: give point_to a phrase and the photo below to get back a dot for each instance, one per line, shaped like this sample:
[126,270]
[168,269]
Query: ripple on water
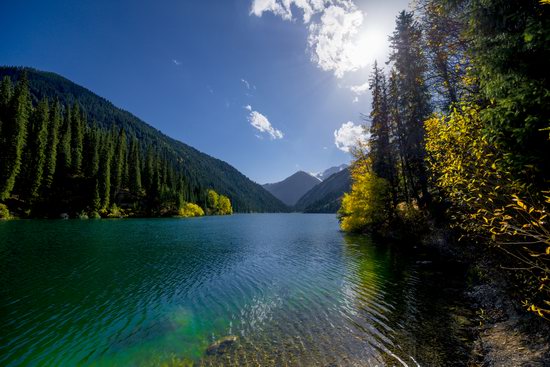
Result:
[143,292]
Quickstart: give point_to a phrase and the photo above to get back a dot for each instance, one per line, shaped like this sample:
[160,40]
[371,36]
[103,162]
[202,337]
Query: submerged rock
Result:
[221,346]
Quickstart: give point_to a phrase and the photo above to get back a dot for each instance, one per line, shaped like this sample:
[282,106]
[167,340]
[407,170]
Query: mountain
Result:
[327,196]
[176,168]
[292,188]
[330,171]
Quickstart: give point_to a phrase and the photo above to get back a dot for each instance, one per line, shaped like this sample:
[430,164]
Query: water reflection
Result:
[295,290]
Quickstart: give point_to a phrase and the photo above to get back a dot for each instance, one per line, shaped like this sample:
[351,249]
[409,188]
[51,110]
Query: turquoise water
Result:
[292,287]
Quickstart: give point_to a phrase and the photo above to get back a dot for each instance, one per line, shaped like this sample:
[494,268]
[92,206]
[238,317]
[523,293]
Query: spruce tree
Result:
[65,154]
[14,131]
[6,93]
[77,137]
[134,168]
[51,147]
[380,148]
[119,161]
[413,99]
[104,174]
[37,146]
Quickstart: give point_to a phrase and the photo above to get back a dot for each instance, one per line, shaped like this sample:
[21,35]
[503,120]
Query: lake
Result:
[293,289]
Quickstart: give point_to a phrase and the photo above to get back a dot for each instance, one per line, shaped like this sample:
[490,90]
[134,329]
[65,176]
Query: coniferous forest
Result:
[65,151]
[459,135]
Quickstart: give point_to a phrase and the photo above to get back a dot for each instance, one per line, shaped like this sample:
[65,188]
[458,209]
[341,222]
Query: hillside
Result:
[195,170]
[292,188]
[326,197]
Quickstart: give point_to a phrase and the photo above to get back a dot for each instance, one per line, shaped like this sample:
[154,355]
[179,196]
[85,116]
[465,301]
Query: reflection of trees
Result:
[409,308]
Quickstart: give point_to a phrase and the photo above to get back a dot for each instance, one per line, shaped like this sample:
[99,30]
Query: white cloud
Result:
[356,99]
[349,135]
[360,89]
[246,84]
[333,27]
[176,62]
[260,122]
[248,107]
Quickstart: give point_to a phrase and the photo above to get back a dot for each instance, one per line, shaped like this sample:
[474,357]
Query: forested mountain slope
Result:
[177,170]
[326,197]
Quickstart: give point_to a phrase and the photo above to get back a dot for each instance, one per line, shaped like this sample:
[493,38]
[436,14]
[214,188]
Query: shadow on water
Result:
[427,310]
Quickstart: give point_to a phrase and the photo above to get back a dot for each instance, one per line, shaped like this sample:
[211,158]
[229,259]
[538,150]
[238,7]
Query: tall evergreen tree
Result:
[119,161]
[380,148]
[51,147]
[413,99]
[77,137]
[134,168]
[104,174]
[6,93]
[38,140]
[91,149]
[64,164]
[14,132]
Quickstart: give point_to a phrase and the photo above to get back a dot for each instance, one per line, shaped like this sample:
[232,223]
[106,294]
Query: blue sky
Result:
[268,88]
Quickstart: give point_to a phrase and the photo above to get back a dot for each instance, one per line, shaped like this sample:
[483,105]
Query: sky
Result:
[269,86]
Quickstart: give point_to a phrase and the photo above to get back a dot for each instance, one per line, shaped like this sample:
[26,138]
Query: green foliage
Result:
[52,146]
[510,54]
[14,135]
[77,138]
[190,210]
[37,143]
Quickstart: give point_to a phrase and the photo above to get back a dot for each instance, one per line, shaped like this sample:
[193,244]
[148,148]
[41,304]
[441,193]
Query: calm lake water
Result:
[292,287]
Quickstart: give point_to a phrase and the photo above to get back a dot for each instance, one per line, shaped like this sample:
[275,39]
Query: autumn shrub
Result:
[190,210]
[4,212]
[367,205]
[488,202]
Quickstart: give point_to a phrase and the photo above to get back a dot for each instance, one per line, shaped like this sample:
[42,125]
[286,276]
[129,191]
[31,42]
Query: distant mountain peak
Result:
[293,187]
[330,171]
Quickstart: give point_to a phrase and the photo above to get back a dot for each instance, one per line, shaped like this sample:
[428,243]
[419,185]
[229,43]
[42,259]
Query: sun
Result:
[372,45]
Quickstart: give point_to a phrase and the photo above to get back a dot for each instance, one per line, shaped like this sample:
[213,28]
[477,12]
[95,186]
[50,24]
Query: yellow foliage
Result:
[218,204]
[190,210]
[486,201]
[367,204]
[224,205]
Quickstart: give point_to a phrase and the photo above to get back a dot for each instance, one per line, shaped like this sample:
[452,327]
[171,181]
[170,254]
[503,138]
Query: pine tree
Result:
[77,137]
[118,162]
[96,199]
[6,93]
[38,141]
[51,148]
[104,174]
[91,148]
[134,168]
[64,164]
[413,99]
[14,131]
[380,148]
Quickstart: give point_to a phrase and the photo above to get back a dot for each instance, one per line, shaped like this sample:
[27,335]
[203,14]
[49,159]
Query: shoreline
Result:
[505,334]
